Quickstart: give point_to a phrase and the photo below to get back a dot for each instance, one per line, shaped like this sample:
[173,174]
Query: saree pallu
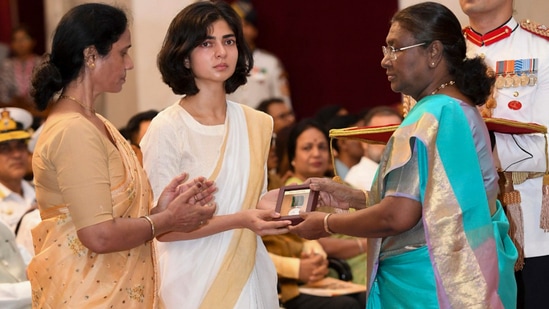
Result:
[66,274]
[412,272]
[231,269]
[468,258]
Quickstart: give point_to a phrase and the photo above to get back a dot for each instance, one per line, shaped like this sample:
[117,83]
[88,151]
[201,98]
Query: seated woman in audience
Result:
[300,261]
[309,155]
[16,73]
[308,151]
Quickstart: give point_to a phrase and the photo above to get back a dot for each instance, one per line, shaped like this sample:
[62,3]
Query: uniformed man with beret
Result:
[16,198]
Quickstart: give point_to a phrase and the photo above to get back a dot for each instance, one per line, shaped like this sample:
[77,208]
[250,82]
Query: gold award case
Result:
[295,199]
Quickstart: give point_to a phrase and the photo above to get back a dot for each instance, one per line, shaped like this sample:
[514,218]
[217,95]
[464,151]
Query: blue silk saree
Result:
[466,259]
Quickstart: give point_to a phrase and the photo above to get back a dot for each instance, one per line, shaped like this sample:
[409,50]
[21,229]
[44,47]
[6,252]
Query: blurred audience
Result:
[308,151]
[4,52]
[16,72]
[281,149]
[347,152]
[17,196]
[283,115]
[267,78]
[299,261]
[326,113]
[283,119]
[274,181]
[362,174]
[15,288]
[135,129]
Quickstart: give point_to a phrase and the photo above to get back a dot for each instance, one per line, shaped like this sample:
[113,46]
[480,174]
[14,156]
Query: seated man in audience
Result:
[362,174]
[136,128]
[17,196]
[283,119]
[347,152]
[15,288]
[282,114]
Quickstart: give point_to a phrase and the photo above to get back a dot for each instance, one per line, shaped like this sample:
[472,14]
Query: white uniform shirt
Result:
[362,175]
[267,80]
[523,152]
[15,290]
[13,206]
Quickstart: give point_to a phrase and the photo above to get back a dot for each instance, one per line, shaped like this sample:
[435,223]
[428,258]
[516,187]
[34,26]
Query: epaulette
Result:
[535,28]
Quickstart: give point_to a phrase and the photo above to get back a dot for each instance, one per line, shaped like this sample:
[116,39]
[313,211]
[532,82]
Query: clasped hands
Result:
[312,267]
[190,204]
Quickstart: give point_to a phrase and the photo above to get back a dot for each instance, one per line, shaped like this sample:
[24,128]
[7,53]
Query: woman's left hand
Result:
[260,221]
[312,226]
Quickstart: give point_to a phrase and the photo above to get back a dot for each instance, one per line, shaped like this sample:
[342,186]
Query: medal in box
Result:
[294,199]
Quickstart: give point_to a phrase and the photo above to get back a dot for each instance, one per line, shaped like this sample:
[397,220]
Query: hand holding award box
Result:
[294,199]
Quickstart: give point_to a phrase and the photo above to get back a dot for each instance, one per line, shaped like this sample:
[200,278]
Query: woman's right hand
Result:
[260,222]
[193,206]
[312,267]
[333,194]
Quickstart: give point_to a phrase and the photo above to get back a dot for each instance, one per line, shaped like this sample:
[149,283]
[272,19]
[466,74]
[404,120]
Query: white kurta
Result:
[175,142]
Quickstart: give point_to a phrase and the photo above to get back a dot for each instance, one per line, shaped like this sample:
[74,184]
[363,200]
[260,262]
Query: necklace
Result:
[442,86]
[68,97]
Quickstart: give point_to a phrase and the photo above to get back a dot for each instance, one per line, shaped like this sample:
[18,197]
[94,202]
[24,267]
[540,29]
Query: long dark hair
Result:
[91,24]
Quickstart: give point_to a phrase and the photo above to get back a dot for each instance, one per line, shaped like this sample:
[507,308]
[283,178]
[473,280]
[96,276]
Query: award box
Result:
[294,199]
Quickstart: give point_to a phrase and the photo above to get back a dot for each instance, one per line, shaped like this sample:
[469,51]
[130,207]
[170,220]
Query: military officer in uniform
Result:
[268,77]
[17,196]
[518,52]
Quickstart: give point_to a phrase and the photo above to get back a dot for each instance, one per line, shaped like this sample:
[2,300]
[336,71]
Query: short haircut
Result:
[190,28]
[264,105]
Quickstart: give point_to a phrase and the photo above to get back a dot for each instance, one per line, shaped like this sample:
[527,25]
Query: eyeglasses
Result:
[391,51]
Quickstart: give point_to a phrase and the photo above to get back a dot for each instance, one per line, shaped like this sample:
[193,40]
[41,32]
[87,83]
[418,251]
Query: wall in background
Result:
[13,13]
[535,10]
[330,49]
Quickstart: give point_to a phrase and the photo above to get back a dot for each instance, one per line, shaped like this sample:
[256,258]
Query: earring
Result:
[432,64]
[90,61]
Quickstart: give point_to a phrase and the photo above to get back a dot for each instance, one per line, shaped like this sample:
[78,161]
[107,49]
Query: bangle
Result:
[360,245]
[326,227]
[366,196]
[153,232]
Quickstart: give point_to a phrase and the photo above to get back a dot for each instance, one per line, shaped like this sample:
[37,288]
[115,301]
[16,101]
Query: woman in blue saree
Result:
[438,235]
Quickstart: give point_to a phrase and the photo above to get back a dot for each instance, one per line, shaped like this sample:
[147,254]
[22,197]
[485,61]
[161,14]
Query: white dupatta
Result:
[215,271]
